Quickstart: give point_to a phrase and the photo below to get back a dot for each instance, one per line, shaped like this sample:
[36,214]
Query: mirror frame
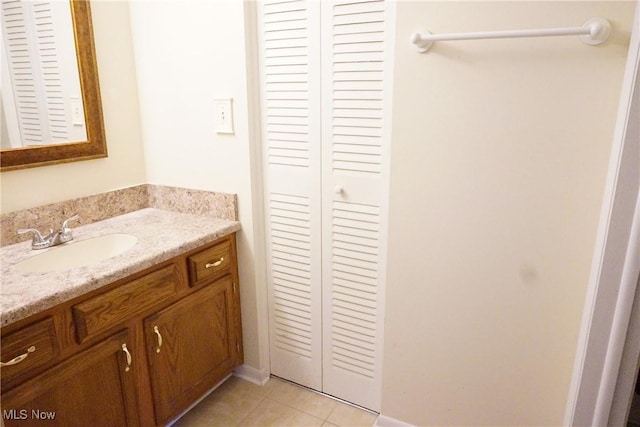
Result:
[96,144]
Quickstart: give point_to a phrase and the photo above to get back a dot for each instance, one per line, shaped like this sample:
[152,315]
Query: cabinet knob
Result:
[338,189]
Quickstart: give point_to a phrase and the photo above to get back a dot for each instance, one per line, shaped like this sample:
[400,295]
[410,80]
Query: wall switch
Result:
[224,115]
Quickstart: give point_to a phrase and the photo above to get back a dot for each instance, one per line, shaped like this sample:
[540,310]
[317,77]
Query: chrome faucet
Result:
[54,238]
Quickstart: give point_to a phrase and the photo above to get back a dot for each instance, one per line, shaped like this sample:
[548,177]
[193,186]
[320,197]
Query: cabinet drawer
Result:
[210,264]
[28,348]
[106,310]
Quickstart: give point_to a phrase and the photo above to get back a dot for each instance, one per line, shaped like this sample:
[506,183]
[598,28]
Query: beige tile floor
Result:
[276,404]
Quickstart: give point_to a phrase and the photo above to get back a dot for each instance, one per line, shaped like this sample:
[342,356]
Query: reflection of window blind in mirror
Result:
[39,49]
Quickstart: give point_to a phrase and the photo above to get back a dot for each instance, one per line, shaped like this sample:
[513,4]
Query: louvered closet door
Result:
[326,79]
[355,139]
[290,69]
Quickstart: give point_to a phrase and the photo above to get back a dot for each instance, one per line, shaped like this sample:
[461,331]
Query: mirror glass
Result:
[50,110]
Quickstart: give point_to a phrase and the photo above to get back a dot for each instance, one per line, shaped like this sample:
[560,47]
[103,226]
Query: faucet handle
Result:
[36,233]
[66,233]
[37,242]
[65,224]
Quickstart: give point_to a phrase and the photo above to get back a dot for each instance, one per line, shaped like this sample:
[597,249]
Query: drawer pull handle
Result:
[126,351]
[155,329]
[20,358]
[214,264]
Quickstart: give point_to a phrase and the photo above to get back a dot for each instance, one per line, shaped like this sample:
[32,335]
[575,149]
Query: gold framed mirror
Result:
[95,145]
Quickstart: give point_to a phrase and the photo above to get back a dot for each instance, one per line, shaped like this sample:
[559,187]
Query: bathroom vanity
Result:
[133,340]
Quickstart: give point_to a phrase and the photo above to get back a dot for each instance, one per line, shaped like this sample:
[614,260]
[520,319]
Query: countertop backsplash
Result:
[102,206]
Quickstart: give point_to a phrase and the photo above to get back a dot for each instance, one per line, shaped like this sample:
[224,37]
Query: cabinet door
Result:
[191,345]
[93,388]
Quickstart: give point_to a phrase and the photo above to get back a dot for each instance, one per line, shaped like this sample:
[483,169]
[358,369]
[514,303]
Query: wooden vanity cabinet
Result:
[137,352]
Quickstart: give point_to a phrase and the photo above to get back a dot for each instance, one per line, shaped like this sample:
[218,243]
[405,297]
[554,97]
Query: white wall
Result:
[124,167]
[500,151]
[187,54]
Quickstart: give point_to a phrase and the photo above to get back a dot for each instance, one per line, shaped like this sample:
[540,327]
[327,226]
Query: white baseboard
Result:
[251,374]
[383,421]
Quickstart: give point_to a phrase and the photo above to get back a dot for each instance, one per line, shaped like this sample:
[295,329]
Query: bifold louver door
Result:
[326,79]
[356,82]
[290,71]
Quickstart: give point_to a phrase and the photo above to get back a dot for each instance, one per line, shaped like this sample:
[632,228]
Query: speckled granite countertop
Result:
[161,235]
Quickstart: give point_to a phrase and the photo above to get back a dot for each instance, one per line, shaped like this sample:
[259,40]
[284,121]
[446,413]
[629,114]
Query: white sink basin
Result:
[78,253]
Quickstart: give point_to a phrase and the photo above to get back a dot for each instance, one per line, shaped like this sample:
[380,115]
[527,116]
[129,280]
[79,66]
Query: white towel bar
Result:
[594,32]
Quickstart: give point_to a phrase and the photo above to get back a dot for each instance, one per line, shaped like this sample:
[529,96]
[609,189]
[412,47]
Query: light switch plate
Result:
[224,115]
[76,112]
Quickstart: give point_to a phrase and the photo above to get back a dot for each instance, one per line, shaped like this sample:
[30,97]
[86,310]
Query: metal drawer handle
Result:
[155,329]
[126,351]
[214,264]
[20,358]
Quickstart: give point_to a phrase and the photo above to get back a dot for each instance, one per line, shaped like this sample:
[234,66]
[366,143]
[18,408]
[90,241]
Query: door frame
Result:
[621,388]
[615,266]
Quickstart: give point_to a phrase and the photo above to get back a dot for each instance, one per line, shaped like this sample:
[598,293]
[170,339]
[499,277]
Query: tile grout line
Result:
[318,393]
[337,399]
[240,421]
[301,387]
[311,404]
[290,406]
[297,409]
